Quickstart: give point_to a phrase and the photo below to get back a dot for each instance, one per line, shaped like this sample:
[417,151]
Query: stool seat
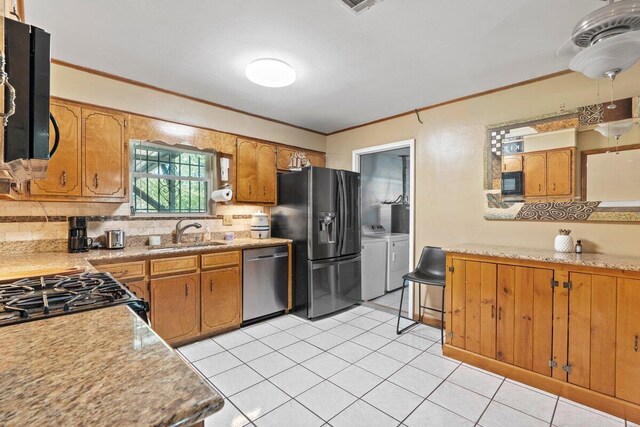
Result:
[426,278]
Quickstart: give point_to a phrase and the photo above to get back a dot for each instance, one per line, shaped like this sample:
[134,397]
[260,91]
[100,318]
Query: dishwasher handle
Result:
[265,257]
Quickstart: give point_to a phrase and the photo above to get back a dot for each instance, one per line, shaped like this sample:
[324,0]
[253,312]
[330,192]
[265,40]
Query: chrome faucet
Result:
[180,230]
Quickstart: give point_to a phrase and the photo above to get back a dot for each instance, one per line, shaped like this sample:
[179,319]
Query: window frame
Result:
[179,148]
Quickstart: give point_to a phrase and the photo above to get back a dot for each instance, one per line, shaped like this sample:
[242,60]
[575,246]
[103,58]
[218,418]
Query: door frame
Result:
[407,143]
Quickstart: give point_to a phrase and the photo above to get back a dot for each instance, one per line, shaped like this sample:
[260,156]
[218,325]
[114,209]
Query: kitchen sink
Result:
[174,246]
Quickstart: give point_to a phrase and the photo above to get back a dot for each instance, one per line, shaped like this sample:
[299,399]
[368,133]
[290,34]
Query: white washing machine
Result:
[374,267]
[397,253]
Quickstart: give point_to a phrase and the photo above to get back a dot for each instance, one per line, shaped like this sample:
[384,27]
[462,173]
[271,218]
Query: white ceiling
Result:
[397,56]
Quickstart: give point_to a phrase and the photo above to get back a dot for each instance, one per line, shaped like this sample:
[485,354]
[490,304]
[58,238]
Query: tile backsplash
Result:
[42,226]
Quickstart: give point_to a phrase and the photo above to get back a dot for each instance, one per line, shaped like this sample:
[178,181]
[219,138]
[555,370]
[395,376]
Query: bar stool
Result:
[430,271]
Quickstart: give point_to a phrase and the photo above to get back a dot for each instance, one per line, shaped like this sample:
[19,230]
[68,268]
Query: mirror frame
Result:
[582,118]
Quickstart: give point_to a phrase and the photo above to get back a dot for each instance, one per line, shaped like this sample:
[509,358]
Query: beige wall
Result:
[81,86]
[449,165]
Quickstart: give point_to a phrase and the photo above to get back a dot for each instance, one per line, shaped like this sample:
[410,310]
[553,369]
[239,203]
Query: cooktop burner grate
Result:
[30,299]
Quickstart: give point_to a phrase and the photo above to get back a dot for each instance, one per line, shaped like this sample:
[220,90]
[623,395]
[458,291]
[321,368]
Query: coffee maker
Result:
[78,240]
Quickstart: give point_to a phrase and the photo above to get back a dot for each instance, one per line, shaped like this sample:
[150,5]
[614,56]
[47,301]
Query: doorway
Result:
[388,187]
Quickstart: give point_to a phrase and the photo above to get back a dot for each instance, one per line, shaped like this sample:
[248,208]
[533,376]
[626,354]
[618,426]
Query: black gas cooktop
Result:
[43,297]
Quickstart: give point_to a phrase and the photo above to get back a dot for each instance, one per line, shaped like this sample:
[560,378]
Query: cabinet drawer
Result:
[125,270]
[221,259]
[174,265]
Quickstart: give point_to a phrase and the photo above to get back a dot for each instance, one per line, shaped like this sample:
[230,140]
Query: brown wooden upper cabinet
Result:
[549,173]
[535,174]
[103,154]
[63,175]
[256,172]
[512,163]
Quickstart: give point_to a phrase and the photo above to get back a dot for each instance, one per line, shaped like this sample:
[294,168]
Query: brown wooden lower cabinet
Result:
[175,306]
[627,346]
[140,288]
[221,302]
[571,330]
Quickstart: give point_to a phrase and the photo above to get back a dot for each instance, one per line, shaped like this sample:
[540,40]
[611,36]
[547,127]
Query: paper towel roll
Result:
[222,195]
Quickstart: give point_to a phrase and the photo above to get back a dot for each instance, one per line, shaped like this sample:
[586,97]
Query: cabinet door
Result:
[559,173]
[506,305]
[524,322]
[512,163]
[456,320]
[140,288]
[627,345]
[175,304]
[480,315]
[103,154]
[63,176]
[284,157]
[247,171]
[535,175]
[317,159]
[592,331]
[221,304]
[267,173]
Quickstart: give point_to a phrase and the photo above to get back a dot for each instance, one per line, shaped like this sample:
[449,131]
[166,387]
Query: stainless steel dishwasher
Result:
[264,281]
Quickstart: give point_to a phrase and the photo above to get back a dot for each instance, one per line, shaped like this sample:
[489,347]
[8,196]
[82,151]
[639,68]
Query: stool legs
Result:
[400,316]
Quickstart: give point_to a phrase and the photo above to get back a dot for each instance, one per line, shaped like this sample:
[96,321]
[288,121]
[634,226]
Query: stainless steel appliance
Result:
[265,282]
[78,240]
[43,297]
[319,209]
[114,239]
[26,133]
[512,184]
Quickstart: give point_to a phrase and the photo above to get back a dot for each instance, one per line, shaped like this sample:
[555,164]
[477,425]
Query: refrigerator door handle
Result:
[340,213]
[344,210]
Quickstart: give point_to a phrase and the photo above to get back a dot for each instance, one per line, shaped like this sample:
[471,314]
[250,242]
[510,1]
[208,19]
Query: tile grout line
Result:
[555,408]
[490,400]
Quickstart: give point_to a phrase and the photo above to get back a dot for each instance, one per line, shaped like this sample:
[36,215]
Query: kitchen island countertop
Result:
[617,262]
[99,367]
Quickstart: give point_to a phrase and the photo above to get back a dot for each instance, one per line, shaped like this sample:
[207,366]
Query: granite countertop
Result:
[617,262]
[99,367]
[21,265]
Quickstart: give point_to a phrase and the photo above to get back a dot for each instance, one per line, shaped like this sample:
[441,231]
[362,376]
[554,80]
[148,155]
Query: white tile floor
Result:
[353,370]
[391,300]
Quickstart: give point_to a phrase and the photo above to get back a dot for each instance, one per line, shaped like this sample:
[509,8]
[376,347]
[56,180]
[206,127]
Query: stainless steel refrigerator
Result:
[319,209]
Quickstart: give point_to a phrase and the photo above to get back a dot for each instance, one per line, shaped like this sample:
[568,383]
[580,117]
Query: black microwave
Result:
[512,184]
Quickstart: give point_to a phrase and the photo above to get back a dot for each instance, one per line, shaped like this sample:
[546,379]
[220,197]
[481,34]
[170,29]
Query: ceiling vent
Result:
[357,6]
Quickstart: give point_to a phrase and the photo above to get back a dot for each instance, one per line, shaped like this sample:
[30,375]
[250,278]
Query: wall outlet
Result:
[227,220]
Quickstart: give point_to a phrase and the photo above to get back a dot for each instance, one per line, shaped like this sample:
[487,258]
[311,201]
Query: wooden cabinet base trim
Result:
[184,341]
[611,405]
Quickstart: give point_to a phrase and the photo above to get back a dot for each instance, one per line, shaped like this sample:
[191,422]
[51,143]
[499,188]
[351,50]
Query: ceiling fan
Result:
[605,42]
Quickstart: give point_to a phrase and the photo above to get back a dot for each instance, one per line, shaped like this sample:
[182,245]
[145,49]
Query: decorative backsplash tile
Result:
[42,227]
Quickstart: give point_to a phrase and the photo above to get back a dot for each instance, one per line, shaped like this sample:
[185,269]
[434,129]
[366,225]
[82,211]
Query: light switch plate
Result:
[227,220]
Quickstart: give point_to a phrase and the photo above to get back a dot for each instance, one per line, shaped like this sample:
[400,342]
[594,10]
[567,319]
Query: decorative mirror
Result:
[576,165]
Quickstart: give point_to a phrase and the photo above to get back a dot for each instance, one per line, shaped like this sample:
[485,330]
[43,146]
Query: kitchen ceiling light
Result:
[615,129]
[605,42]
[270,72]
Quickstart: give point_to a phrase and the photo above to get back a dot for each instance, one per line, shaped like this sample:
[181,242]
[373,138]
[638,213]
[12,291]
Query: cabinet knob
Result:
[64,178]
[539,187]
[249,188]
[186,289]
[95,180]
[554,186]
[211,285]
[499,313]
[635,345]
[493,311]
[264,190]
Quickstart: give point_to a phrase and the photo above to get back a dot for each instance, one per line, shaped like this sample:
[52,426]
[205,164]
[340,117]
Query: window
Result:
[167,179]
